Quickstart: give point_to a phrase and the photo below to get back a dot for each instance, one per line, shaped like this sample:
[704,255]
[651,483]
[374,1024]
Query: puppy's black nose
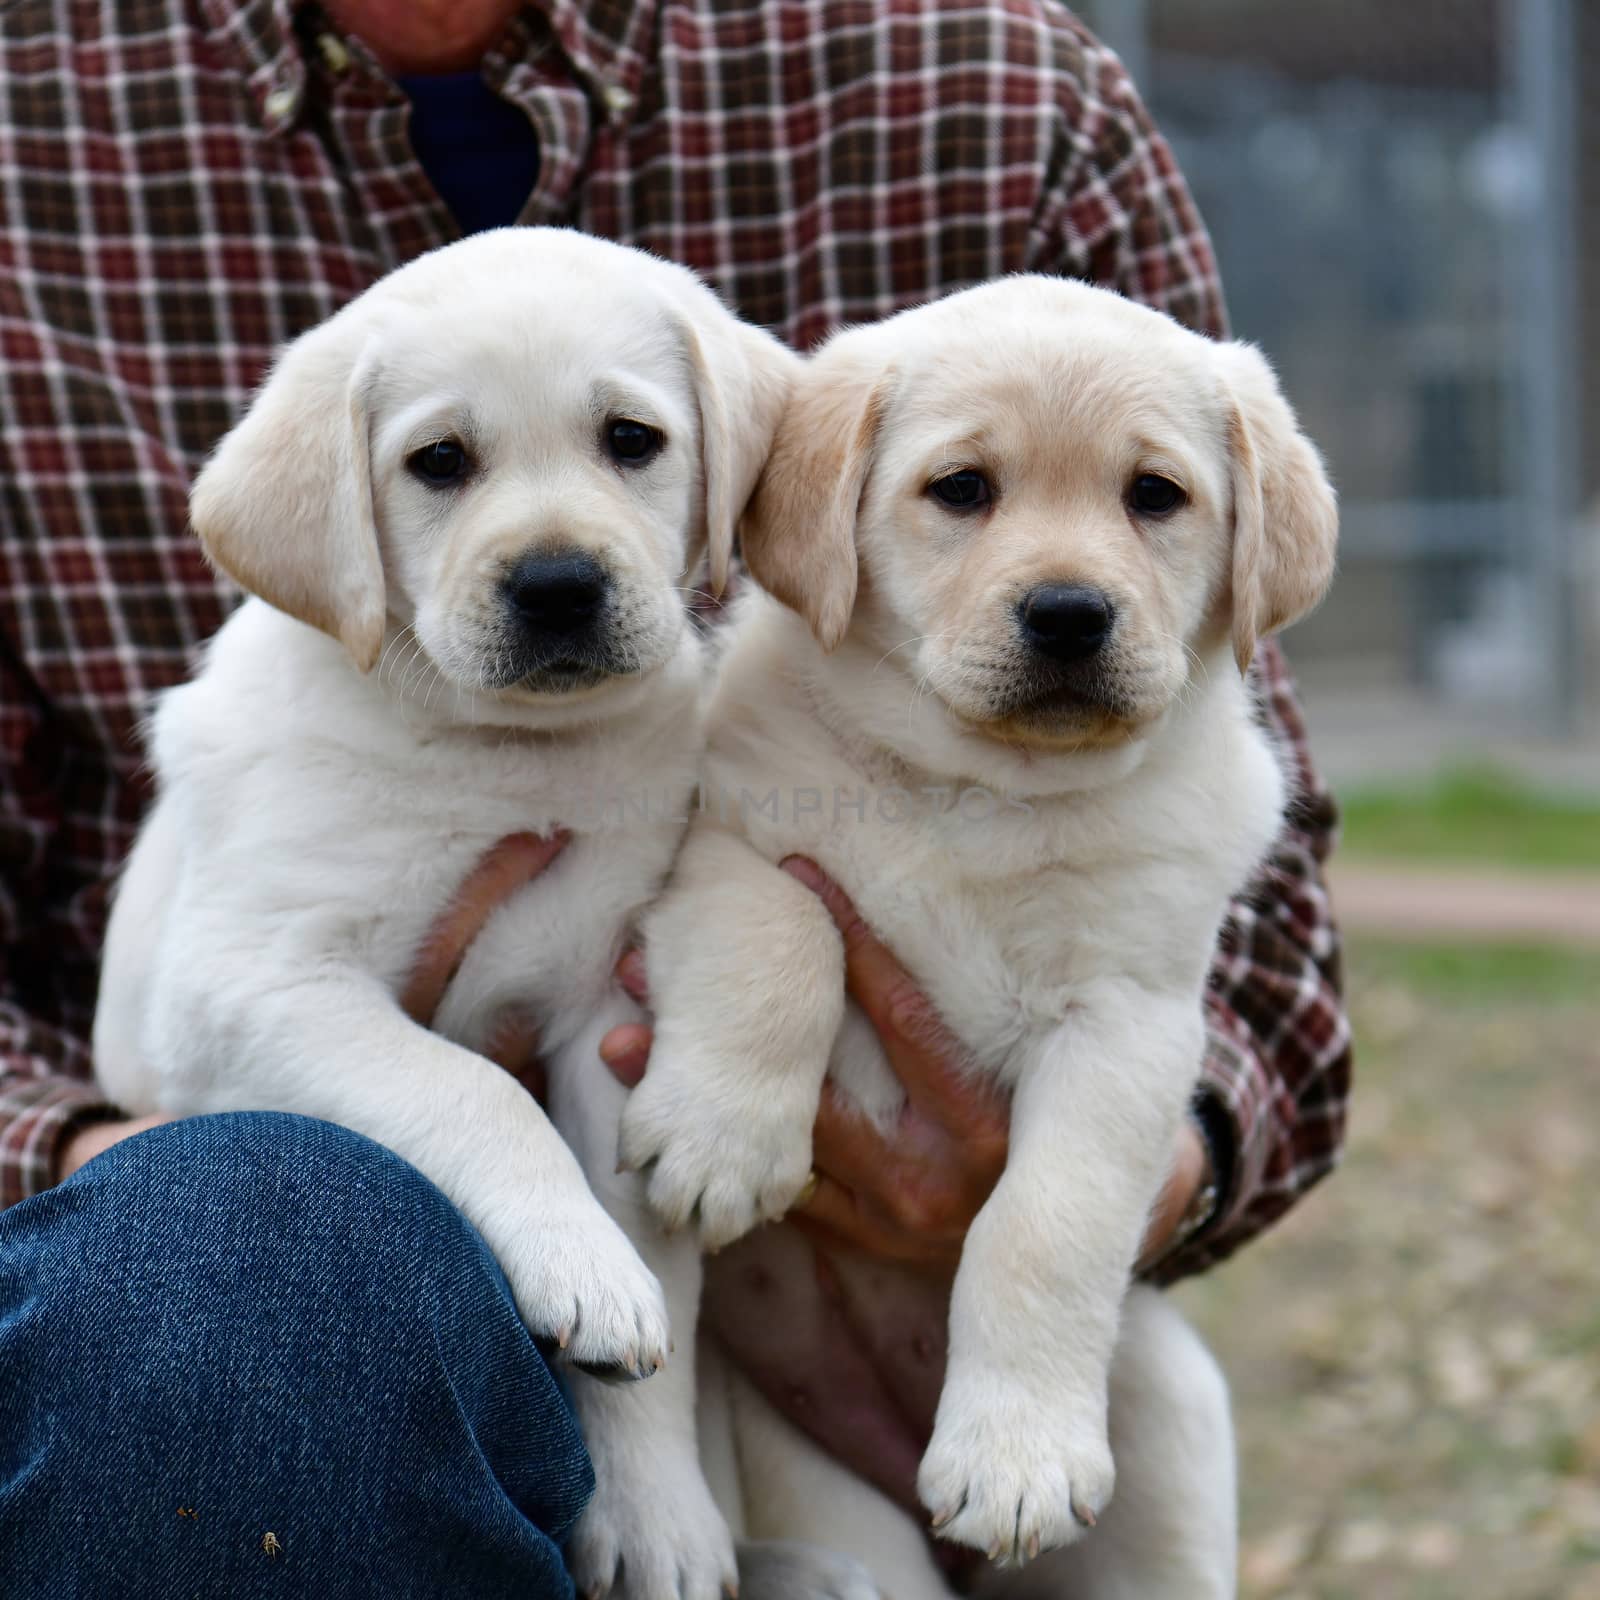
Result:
[1066,621]
[557,596]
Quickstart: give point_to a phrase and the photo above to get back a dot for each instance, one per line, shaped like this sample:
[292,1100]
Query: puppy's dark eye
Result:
[962,491]
[1154,496]
[632,443]
[439,463]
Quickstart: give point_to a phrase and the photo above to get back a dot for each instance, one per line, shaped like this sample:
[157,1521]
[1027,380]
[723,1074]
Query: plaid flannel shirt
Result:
[185,184]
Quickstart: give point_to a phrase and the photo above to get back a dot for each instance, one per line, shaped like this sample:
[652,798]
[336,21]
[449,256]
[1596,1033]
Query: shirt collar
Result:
[259,35]
[607,42]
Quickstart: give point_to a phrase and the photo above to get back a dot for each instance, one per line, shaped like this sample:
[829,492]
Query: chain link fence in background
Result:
[1405,199]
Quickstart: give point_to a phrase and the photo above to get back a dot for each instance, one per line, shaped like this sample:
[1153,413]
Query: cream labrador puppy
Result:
[468,505]
[1028,537]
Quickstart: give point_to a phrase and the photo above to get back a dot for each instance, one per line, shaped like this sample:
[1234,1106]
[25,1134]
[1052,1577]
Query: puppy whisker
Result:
[389,650]
[906,643]
[391,658]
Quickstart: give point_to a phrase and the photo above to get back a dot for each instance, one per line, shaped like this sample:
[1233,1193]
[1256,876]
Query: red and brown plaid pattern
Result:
[184,184]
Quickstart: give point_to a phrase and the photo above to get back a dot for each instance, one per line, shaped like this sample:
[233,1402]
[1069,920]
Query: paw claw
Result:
[1002,1488]
[603,1373]
[583,1292]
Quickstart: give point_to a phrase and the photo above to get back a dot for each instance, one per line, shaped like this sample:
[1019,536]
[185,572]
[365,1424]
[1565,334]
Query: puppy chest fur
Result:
[1006,903]
[348,853]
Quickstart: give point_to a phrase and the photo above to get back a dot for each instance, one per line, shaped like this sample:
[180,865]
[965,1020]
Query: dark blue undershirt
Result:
[479,151]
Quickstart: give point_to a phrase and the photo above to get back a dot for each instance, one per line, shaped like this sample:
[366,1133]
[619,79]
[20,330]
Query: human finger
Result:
[504,868]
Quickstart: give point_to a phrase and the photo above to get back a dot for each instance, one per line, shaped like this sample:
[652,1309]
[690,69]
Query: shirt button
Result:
[618,100]
[334,52]
[281,104]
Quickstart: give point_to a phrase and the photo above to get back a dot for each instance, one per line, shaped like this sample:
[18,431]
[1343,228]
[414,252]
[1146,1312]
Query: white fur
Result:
[1056,890]
[314,820]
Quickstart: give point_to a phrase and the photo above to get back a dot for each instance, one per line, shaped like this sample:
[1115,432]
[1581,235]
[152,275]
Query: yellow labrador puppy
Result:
[468,505]
[1027,538]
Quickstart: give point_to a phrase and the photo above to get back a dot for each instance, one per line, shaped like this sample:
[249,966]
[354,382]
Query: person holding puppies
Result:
[186,187]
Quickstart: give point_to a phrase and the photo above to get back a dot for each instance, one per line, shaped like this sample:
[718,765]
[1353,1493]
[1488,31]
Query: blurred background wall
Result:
[1405,200]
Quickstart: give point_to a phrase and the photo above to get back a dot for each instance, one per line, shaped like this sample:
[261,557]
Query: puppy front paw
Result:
[728,1150]
[581,1287]
[652,1534]
[1007,1477]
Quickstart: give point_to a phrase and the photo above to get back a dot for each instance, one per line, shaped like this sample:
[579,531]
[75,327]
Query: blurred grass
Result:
[1415,1349]
[1486,975]
[1477,816]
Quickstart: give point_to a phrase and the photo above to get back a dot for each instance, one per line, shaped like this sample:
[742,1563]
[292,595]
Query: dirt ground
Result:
[1415,1352]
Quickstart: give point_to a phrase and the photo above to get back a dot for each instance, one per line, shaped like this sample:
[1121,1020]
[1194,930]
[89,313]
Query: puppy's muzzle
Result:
[1066,622]
[1066,681]
[556,606]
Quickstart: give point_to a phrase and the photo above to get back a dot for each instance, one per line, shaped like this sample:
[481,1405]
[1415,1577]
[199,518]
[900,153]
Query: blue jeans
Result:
[260,1355]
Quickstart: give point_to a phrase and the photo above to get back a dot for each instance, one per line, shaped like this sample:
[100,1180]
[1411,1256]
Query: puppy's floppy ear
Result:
[1285,517]
[284,505]
[799,534]
[741,378]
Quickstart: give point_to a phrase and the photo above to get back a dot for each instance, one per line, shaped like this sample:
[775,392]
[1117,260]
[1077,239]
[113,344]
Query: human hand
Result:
[909,1195]
[1190,1172]
[513,1044]
[505,867]
[88,1141]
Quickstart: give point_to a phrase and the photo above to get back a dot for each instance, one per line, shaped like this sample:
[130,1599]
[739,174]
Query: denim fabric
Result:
[250,1325]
